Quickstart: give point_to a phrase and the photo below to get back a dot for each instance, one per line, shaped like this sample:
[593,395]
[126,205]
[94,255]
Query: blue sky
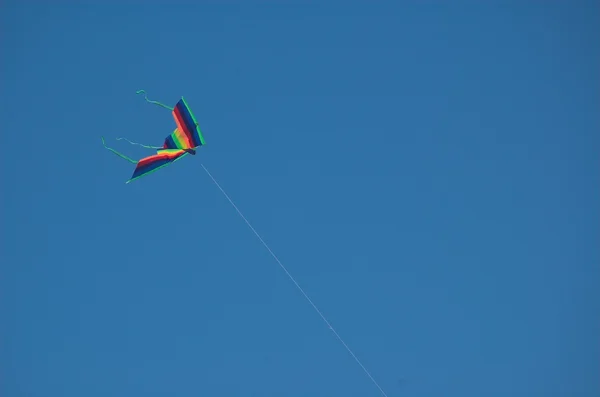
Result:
[427,172]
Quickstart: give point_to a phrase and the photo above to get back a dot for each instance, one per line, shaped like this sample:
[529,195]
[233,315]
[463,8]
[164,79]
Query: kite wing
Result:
[161,159]
[187,135]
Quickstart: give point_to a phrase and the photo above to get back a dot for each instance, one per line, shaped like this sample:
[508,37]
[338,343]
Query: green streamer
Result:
[118,154]
[154,102]
[140,144]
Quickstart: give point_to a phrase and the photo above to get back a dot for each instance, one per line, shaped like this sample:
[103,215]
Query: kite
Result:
[186,138]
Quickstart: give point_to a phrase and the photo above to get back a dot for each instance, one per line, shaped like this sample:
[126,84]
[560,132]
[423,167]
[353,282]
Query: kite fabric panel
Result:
[159,160]
[187,135]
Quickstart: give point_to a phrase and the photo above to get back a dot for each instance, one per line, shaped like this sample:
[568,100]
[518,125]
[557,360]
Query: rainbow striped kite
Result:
[184,140]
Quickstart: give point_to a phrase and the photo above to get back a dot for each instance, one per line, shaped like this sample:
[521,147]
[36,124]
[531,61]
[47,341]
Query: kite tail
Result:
[140,144]
[154,102]
[119,154]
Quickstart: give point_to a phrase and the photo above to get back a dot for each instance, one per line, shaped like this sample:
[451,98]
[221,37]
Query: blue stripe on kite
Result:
[170,142]
[188,121]
[151,166]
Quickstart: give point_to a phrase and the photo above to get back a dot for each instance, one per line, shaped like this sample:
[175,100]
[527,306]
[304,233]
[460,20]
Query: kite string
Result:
[154,102]
[295,282]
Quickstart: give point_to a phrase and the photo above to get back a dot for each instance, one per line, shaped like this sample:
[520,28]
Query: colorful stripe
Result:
[177,140]
[187,135]
[187,122]
[152,163]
